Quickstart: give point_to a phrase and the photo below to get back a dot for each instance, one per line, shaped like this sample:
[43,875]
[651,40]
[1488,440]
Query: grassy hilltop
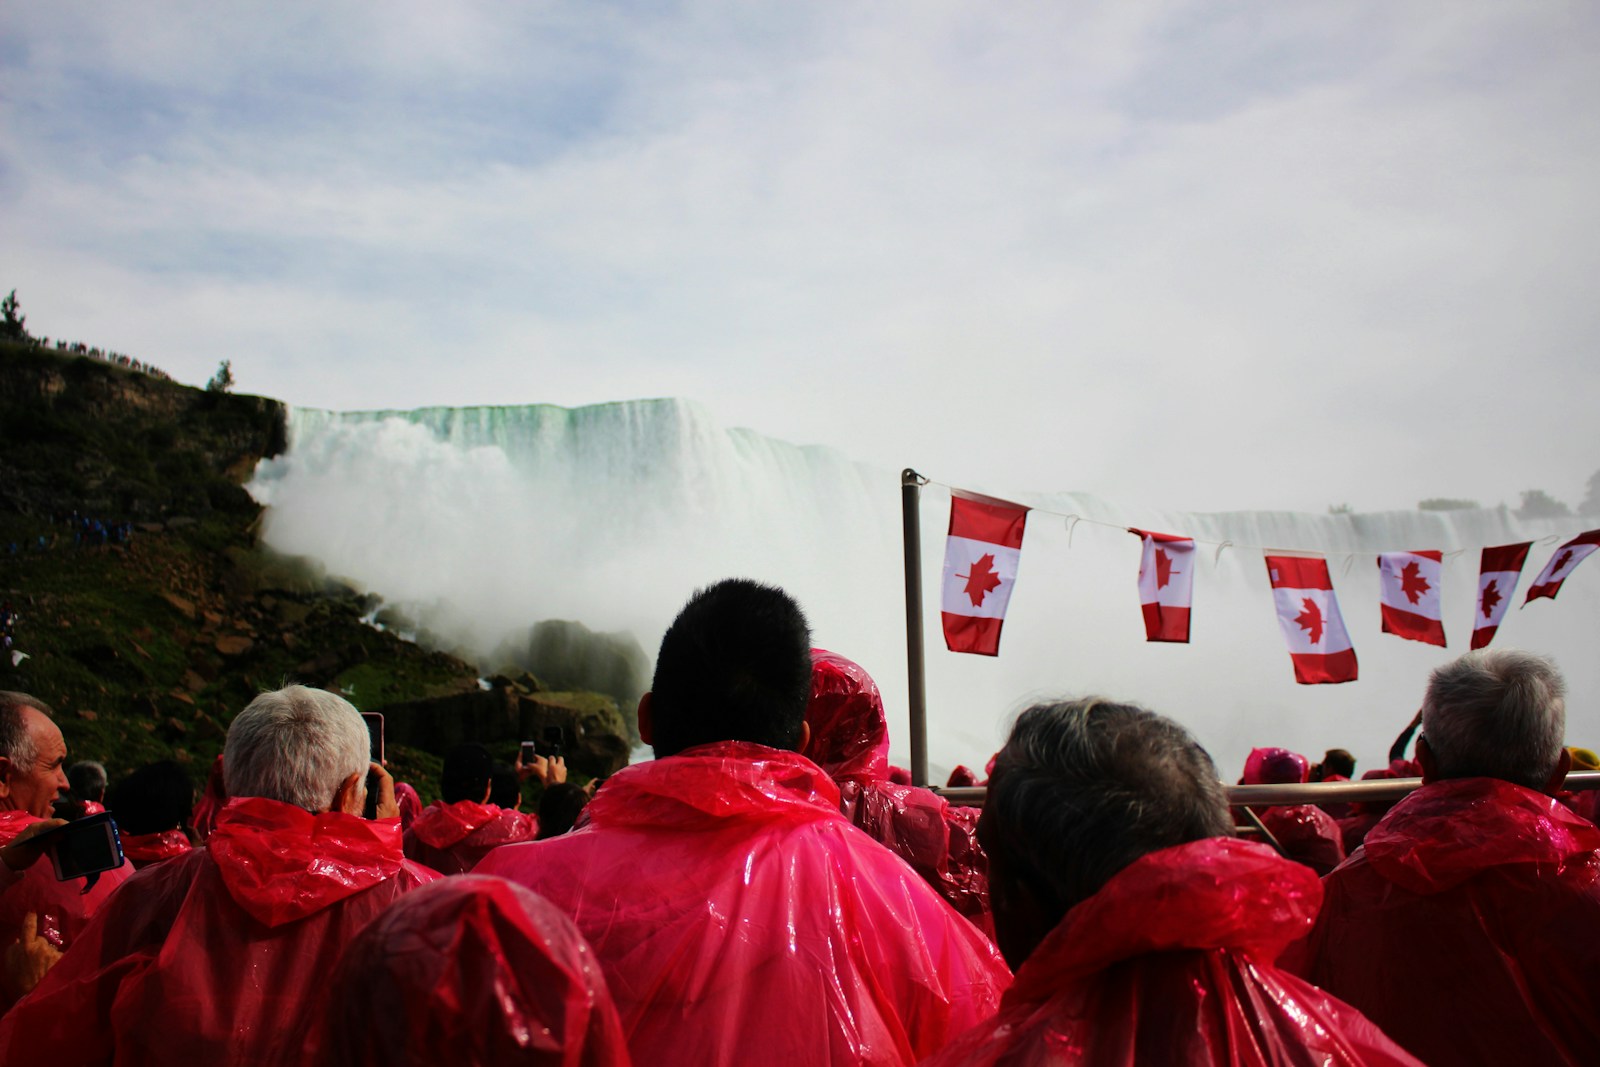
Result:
[147,646]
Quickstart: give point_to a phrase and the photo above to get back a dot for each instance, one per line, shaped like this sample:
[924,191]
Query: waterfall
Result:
[480,521]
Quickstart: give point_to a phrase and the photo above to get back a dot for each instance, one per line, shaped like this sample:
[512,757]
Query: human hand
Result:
[388,807]
[28,959]
[23,852]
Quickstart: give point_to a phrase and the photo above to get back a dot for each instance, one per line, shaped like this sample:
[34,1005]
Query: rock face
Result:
[594,736]
[567,655]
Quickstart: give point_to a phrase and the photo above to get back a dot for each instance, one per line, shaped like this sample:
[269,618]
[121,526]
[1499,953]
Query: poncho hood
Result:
[142,849]
[1219,893]
[441,825]
[849,731]
[709,784]
[1449,831]
[281,863]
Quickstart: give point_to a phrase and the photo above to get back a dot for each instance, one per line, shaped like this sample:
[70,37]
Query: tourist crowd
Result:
[769,890]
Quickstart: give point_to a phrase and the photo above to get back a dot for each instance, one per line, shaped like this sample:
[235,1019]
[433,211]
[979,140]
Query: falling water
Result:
[480,521]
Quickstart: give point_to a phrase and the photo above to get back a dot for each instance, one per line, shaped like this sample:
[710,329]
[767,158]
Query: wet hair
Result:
[87,779]
[156,797]
[505,788]
[735,665]
[296,745]
[467,770]
[1496,713]
[1083,788]
[560,807]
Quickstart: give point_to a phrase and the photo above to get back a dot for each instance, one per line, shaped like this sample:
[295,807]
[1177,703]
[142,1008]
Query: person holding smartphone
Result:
[40,916]
[243,932]
[462,826]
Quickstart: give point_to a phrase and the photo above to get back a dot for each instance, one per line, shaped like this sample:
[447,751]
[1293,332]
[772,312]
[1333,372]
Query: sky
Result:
[1192,256]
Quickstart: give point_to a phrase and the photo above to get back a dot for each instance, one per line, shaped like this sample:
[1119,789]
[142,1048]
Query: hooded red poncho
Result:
[850,741]
[62,909]
[1468,926]
[144,849]
[213,956]
[741,919]
[1171,963]
[452,838]
[470,972]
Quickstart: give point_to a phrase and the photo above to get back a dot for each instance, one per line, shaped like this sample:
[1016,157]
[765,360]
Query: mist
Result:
[478,522]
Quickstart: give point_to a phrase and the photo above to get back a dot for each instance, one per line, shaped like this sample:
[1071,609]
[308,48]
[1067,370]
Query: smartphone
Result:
[550,743]
[374,722]
[529,750]
[84,848]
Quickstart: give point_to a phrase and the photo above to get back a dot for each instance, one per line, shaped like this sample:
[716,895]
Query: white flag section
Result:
[1409,589]
[1166,585]
[978,577]
[980,570]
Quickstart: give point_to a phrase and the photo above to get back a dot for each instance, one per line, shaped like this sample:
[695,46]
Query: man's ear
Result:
[351,796]
[1558,780]
[1430,766]
[805,736]
[647,727]
[7,770]
[488,791]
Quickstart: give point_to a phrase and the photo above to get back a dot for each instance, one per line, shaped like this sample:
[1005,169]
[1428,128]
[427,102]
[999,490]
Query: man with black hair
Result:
[462,826]
[1141,930]
[739,917]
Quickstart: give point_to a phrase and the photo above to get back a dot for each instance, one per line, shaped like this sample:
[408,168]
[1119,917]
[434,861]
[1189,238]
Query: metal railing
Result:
[1308,793]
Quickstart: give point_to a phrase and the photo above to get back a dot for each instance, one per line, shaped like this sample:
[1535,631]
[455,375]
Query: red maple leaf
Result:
[981,579]
[1491,597]
[1412,583]
[1310,620]
[1163,568]
[1566,557]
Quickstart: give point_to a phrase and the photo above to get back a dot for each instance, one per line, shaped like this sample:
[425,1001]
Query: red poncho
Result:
[452,838]
[1308,835]
[850,741]
[214,956]
[470,972]
[741,919]
[1468,927]
[62,908]
[1171,963]
[142,850]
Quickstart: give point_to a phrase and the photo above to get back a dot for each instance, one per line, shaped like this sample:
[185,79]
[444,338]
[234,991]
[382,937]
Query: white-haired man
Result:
[1468,924]
[215,956]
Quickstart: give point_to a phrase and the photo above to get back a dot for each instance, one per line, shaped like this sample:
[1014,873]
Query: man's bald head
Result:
[33,755]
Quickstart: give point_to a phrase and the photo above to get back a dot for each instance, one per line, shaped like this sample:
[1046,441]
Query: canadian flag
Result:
[1409,591]
[1166,585]
[1567,557]
[980,567]
[1319,645]
[1497,580]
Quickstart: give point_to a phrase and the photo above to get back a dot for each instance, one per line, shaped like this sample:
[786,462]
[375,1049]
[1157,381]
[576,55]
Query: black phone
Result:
[529,750]
[374,721]
[84,848]
[550,742]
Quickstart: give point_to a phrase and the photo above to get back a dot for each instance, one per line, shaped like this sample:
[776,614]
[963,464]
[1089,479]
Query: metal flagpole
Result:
[910,514]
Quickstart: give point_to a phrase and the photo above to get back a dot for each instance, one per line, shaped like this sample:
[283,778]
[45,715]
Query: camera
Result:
[84,848]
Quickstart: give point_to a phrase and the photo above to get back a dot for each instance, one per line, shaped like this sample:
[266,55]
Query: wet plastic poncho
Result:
[850,741]
[214,956]
[452,838]
[471,972]
[1468,927]
[142,850]
[211,801]
[1306,833]
[409,803]
[741,919]
[62,909]
[1171,963]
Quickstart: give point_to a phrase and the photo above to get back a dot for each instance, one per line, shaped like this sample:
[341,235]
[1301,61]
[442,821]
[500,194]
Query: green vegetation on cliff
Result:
[148,638]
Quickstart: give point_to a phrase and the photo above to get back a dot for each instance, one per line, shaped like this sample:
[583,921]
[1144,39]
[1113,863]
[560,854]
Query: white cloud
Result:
[1284,257]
